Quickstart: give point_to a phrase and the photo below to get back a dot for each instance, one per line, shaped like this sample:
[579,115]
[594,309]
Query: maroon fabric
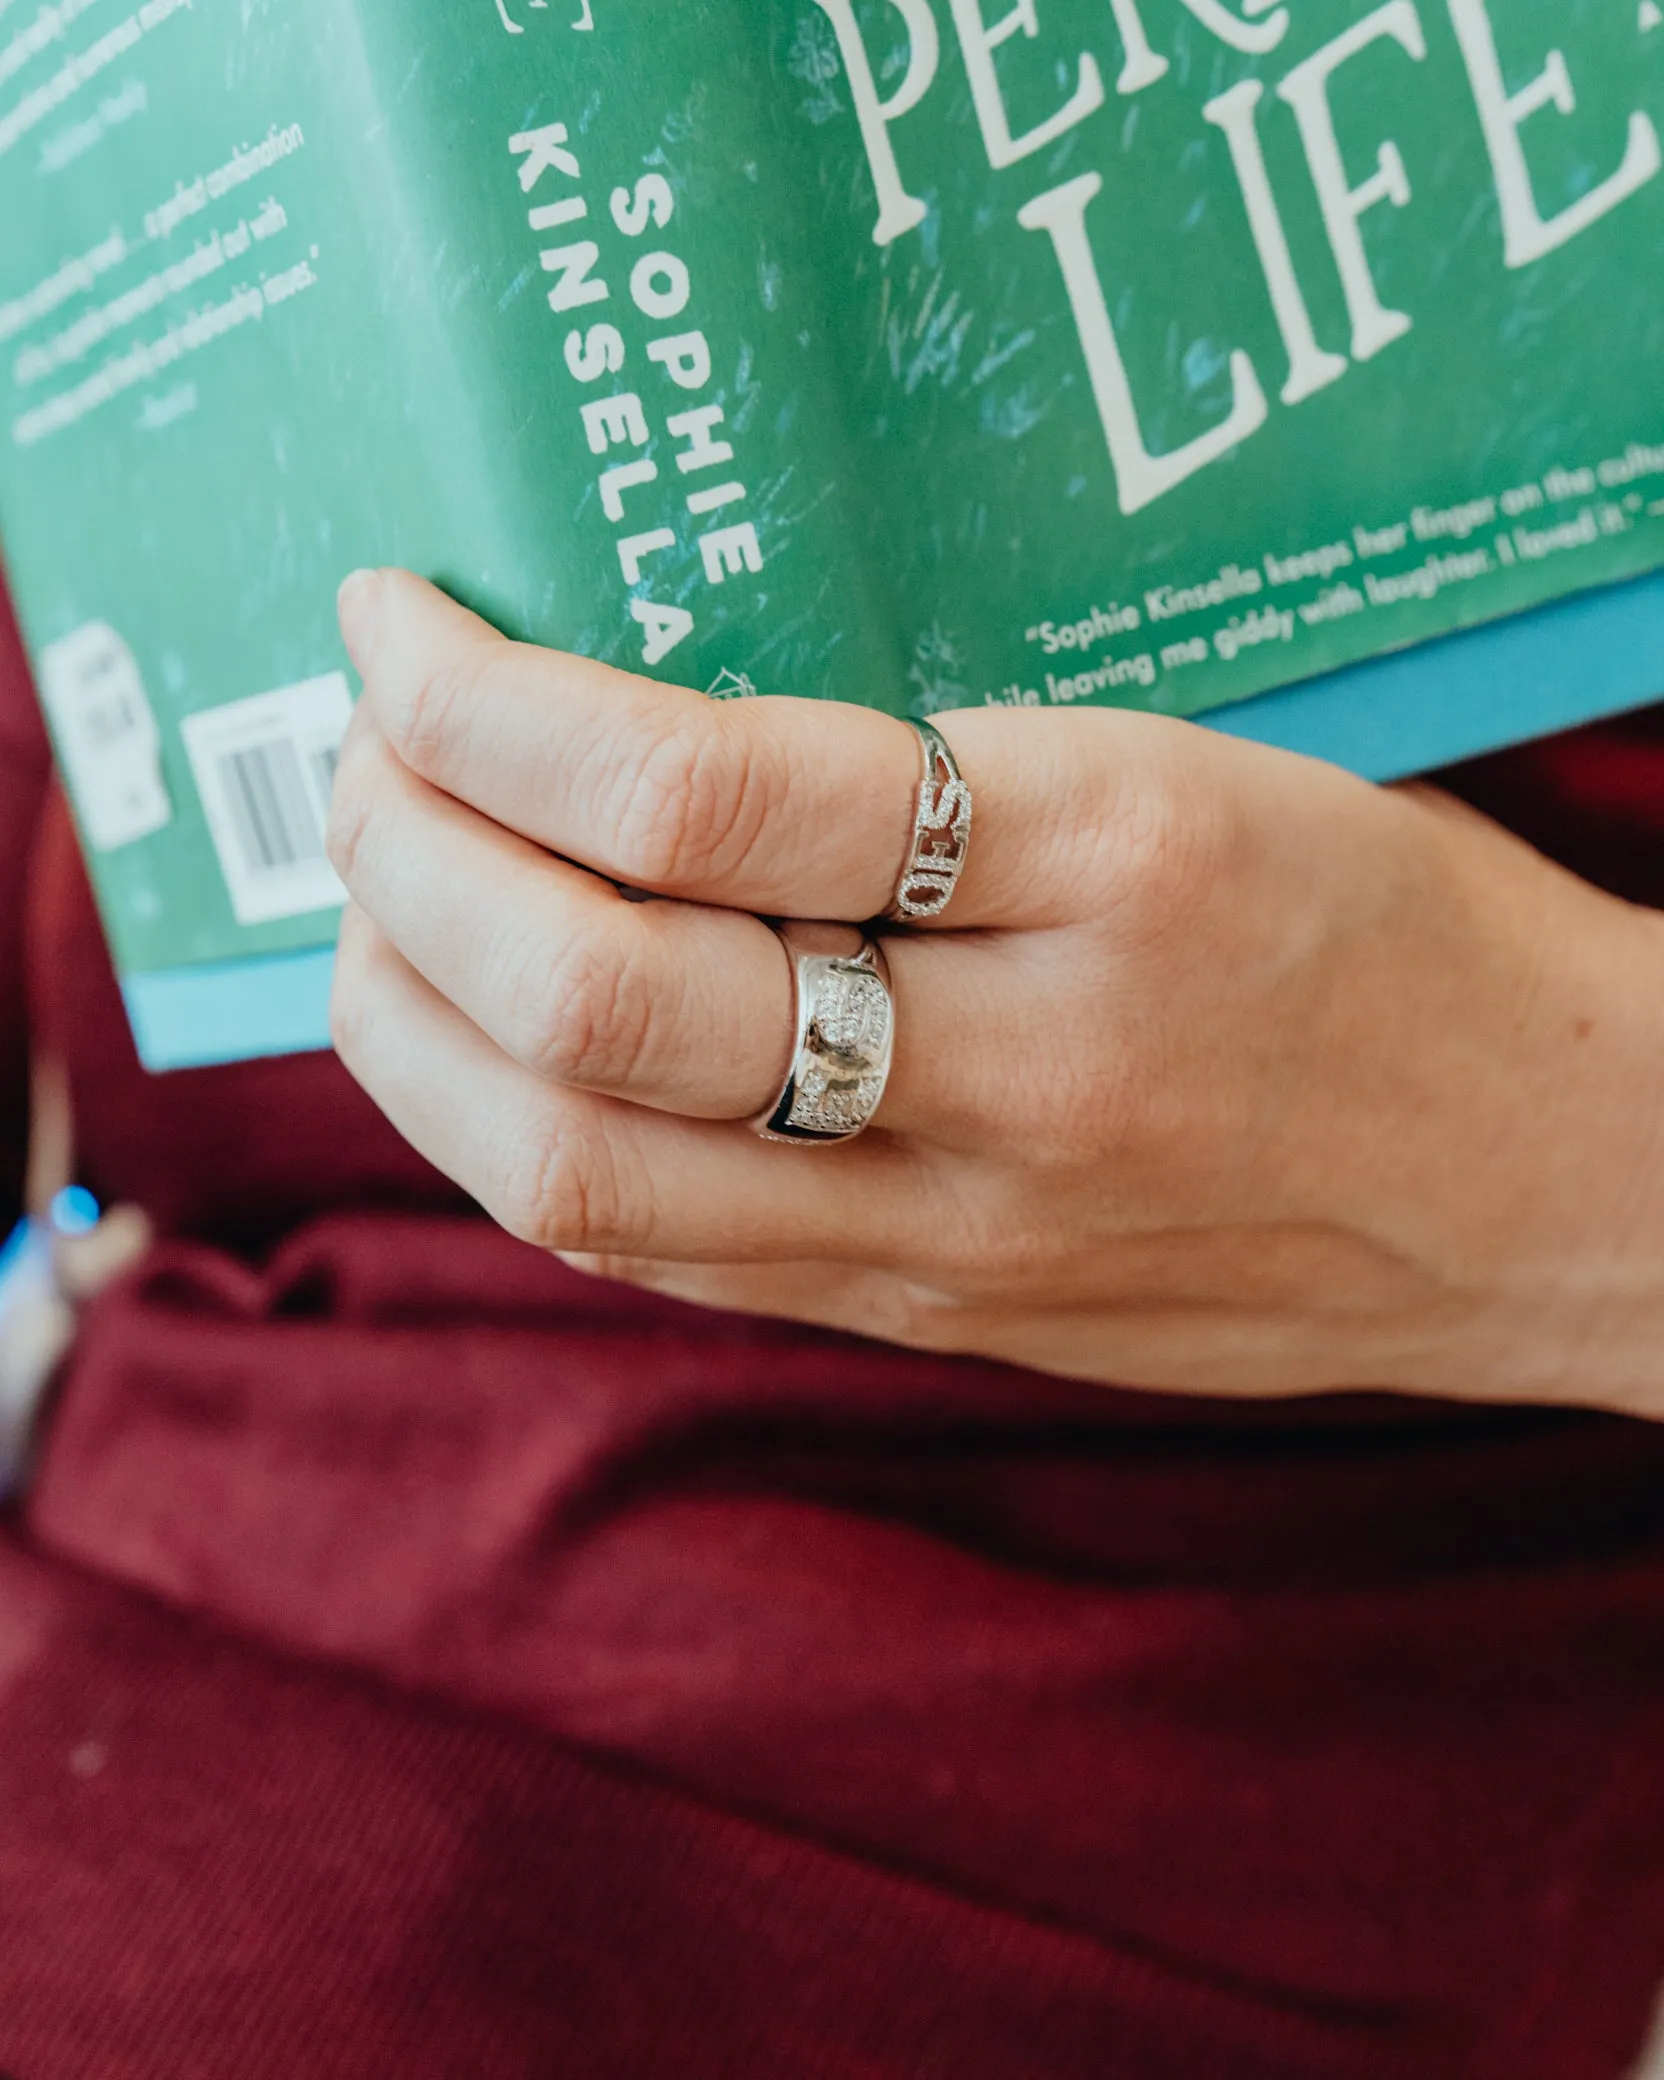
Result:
[419,1659]
[316,1878]
[1593,800]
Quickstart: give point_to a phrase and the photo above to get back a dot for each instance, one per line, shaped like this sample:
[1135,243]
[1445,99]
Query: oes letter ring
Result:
[941,832]
[843,1037]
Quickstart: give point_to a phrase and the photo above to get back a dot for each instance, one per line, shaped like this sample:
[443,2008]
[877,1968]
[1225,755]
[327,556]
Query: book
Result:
[1286,364]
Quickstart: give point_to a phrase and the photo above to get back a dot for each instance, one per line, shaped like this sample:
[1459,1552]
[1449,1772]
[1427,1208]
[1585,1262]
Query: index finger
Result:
[787,808]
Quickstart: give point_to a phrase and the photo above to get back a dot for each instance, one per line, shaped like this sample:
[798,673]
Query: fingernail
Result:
[356,606]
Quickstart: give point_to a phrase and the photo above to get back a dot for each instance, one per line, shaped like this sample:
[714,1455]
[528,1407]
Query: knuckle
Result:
[1169,854]
[908,1314]
[923,1316]
[422,727]
[697,805]
[580,1013]
[564,1191]
[351,811]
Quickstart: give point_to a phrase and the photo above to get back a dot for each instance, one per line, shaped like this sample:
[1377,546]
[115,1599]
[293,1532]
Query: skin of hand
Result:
[1225,1072]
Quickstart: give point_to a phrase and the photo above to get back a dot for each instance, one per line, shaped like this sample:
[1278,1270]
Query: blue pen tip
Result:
[75,1211]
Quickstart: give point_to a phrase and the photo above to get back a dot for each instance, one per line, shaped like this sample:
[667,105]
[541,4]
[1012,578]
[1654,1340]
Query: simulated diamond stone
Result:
[853,1015]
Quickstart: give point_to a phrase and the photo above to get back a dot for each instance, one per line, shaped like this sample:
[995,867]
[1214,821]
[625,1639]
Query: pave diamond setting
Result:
[845,1037]
[853,1015]
[941,832]
[847,1053]
[835,1109]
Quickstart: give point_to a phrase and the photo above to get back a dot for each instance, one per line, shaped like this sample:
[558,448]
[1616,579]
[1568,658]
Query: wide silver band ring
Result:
[941,841]
[843,1039]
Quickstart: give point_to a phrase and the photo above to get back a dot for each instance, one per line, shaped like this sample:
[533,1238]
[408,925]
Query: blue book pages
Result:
[1413,711]
[232,1011]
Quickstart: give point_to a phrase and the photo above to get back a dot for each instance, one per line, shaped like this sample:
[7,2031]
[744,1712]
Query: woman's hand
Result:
[1225,1073]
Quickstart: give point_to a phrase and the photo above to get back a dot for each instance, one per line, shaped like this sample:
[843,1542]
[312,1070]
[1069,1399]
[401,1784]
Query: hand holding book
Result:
[1288,367]
[1226,1073]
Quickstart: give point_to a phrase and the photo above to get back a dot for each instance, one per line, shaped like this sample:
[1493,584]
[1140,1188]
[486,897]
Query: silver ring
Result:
[843,1039]
[941,832]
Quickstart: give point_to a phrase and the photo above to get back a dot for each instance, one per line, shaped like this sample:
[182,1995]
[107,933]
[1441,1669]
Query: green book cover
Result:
[1157,353]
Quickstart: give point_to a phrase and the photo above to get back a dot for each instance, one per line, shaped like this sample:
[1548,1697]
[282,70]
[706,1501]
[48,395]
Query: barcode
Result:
[276,823]
[265,769]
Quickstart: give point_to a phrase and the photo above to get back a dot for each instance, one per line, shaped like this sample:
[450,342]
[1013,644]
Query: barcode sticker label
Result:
[264,769]
[108,744]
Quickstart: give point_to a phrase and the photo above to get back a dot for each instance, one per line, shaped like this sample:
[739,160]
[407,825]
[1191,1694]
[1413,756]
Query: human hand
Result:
[1224,1073]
